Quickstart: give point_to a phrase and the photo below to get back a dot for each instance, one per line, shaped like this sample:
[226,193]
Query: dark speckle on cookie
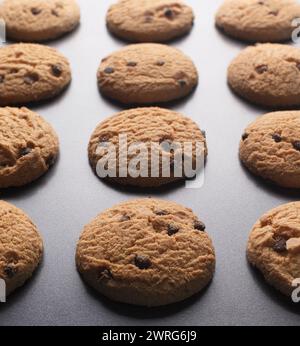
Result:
[142,262]
[172,229]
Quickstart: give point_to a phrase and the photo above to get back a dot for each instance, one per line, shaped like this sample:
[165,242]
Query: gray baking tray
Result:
[70,195]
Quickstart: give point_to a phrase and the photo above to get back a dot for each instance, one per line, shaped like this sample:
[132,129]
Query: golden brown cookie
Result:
[267,74]
[28,146]
[270,148]
[21,246]
[146,252]
[151,126]
[39,20]
[147,73]
[274,246]
[31,72]
[149,20]
[258,20]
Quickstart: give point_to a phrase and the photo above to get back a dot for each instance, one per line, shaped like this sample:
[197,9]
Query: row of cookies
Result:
[269,147]
[266,74]
[151,21]
[151,252]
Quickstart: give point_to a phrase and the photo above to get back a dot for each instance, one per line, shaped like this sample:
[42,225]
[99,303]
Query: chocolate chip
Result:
[104,139]
[277,138]
[14,70]
[35,11]
[131,63]
[261,2]
[104,274]
[124,218]
[18,55]
[109,70]
[182,83]
[261,69]
[2,78]
[274,13]
[160,63]
[172,229]
[25,151]
[10,271]
[200,226]
[56,70]
[161,212]
[203,133]
[169,13]
[245,136]
[280,245]
[142,262]
[50,160]
[296,145]
[55,13]
[31,78]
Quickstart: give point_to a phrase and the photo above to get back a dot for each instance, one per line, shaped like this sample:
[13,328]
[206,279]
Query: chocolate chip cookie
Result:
[258,20]
[28,146]
[156,128]
[146,252]
[274,246]
[21,246]
[149,20]
[39,20]
[270,148]
[147,73]
[268,75]
[31,72]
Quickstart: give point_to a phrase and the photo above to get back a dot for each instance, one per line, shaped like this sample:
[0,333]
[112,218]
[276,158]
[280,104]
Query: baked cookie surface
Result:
[146,252]
[28,146]
[30,73]
[270,148]
[258,20]
[39,20]
[157,128]
[267,74]
[274,246]
[149,20]
[147,73]
[21,246]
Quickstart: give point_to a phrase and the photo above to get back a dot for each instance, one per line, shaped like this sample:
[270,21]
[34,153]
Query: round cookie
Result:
[270,148]
[267,74]
[21,247]
[39,20]
[31,72]
[156,128]
[149,20]
[28,146]
[274,246]
[258,20]
[147,73]
[146,252]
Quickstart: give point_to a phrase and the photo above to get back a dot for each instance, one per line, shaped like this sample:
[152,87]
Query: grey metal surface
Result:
[69,196]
